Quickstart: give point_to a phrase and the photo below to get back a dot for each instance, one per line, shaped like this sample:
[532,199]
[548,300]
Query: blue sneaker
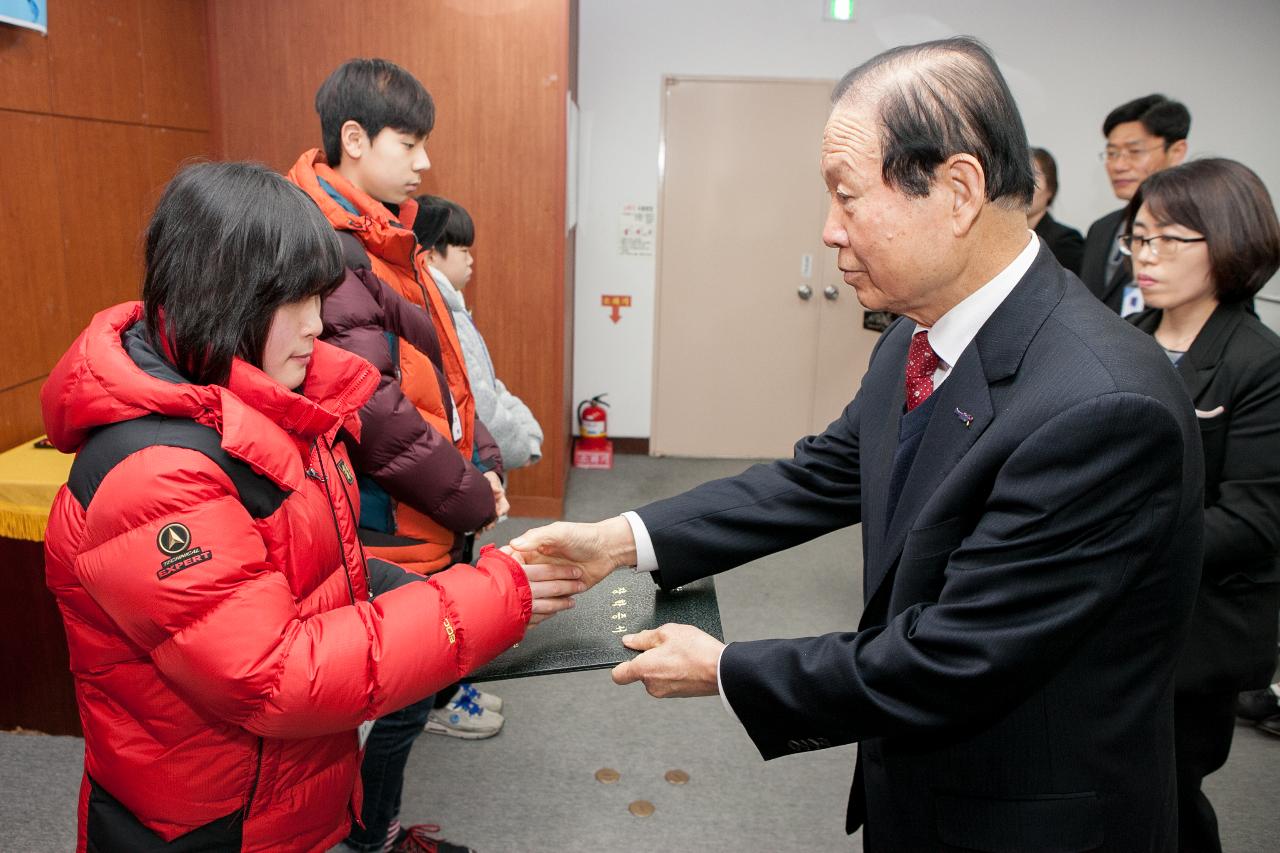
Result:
[488,701]
[465,719]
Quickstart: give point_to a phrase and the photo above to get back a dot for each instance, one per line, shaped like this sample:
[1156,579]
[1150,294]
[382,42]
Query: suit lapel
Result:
[880,438]
[1198,366]
[1122,272]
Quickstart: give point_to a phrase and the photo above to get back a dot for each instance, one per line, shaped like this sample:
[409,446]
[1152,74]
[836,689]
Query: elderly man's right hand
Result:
[597,549]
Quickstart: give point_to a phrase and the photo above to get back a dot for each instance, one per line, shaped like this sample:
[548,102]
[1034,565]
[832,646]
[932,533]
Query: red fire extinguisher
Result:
[593,421]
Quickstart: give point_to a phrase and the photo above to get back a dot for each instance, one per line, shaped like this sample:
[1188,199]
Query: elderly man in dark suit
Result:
[1026,469]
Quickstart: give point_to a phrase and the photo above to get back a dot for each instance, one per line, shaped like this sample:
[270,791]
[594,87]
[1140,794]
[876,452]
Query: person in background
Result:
[1204,239]
[1066,243]
[450,257]
[1143,136]
[422,494]
[225,637]
[446,232]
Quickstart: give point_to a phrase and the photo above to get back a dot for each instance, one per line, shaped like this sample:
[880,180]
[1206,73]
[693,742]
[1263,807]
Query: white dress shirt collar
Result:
[953,331]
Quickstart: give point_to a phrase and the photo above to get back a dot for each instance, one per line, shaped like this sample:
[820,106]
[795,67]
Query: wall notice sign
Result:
[635,229]
[32,14]
[617,303]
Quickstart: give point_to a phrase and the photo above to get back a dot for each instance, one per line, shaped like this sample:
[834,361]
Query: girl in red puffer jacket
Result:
[225,637]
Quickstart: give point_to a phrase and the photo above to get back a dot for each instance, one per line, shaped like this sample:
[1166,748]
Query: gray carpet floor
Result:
[532,788]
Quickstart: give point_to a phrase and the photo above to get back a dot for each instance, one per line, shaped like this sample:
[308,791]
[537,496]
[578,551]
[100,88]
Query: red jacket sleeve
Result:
[229,632]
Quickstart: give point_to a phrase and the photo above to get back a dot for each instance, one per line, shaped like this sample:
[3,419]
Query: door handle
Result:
[831,292]
[805,291]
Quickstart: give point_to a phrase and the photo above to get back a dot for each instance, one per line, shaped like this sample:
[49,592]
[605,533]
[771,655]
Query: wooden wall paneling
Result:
[95,59]
[33,324]
[267,60]
[501,140]
[20,417]
[175,83]
[167,152]
[105,193]
[24,70]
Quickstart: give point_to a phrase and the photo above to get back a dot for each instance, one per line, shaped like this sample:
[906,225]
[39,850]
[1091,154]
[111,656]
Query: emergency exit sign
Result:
[617,303]
[837,10]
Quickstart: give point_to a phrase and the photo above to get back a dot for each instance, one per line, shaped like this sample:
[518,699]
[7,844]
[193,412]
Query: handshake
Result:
[566,558]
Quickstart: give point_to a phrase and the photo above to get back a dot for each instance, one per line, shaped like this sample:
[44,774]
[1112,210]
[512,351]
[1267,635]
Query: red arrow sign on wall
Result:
[617,303]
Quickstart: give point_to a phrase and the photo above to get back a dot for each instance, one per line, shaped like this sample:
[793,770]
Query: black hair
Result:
[939,99]
[1227,203]
[459,229]
[1161,117]
[376,94]
[1049,168]
[228,244]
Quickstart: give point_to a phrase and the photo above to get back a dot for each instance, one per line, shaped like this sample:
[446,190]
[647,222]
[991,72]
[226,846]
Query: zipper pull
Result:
[315,475]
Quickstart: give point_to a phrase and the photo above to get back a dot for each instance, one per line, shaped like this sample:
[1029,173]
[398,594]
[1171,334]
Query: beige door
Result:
[758,341]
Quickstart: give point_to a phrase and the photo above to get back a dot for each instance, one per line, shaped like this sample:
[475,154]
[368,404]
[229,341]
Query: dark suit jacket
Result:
[1011,677]
[1098,246]
[1234,364]
[1065,242]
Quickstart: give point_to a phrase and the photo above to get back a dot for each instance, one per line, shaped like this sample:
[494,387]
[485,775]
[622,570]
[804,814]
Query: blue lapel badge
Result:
[965,418]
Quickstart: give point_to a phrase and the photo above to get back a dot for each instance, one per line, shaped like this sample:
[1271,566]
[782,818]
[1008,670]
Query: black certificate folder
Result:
[590,635]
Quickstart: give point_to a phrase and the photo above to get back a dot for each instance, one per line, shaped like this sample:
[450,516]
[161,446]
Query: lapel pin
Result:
[965,418]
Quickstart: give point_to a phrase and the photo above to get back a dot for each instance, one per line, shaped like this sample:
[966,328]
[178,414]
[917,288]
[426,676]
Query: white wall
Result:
[1068,65]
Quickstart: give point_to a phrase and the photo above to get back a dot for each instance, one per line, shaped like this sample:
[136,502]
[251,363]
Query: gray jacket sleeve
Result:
[512,425]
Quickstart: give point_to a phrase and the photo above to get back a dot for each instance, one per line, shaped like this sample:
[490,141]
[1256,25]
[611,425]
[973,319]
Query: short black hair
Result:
[1048,168]
[1169,120]
[1227,203]
[939,99]
[228,244]
[459,230]
[376,94]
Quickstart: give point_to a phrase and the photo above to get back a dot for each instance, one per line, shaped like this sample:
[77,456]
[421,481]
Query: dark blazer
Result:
[1234,366]
[1066,243]
[1099,243]
[1010,681]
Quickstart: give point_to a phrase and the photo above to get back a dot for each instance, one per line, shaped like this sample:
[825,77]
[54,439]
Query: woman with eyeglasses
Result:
[1204,239]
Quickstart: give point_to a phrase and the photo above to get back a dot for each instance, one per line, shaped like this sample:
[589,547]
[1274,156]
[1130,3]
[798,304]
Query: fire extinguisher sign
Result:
[617,303]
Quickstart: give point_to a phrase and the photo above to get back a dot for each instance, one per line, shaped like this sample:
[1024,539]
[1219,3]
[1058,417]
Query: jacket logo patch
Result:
[346,472]
[175,541]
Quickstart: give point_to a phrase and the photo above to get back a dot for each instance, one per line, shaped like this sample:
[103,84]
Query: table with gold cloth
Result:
[34,668]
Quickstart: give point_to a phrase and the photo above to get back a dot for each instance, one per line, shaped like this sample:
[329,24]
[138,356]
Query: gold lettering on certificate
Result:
[619,615]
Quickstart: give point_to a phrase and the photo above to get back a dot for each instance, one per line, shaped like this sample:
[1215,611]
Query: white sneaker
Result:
[488,701]
[465,719]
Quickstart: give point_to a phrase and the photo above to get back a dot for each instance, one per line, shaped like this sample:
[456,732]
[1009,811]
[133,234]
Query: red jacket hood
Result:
[96,383]
[387,236]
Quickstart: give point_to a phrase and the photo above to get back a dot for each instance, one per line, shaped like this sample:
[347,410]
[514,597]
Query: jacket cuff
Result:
[491,551]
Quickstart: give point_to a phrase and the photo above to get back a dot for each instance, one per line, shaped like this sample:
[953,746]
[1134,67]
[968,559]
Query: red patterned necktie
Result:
[922,361]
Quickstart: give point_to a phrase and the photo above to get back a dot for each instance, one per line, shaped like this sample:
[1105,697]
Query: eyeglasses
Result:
[1161,246]
[1111,155]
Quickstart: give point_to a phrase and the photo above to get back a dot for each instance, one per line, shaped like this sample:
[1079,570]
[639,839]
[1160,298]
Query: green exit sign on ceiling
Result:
[837,10]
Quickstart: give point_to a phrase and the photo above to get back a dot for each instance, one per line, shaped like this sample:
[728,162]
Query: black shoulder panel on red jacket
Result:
[112,444]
